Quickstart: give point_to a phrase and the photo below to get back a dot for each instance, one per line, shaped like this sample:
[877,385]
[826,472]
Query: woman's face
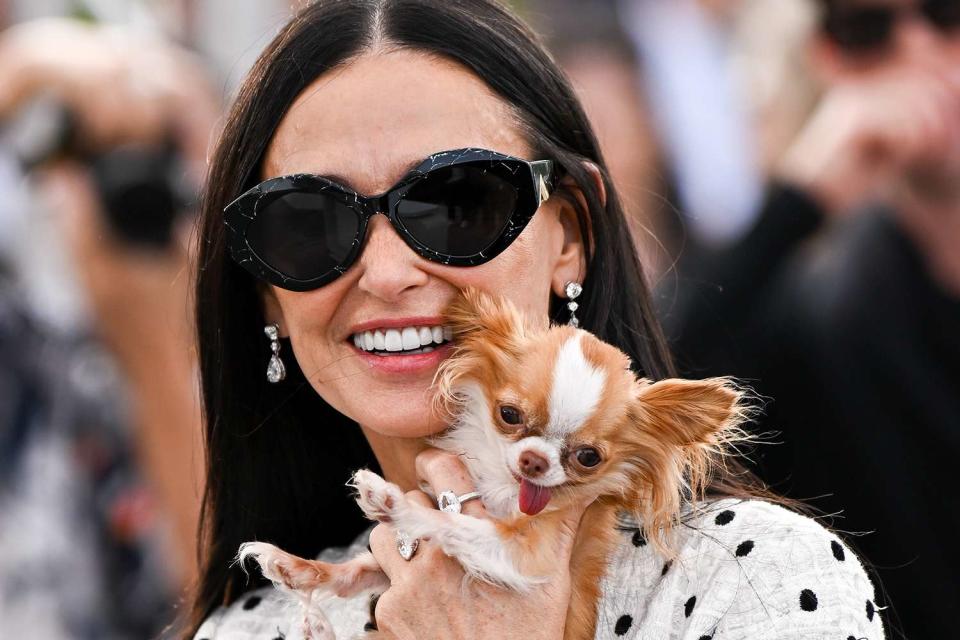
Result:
[368,123]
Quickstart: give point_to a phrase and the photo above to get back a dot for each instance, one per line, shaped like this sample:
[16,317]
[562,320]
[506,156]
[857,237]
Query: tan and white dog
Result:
[545,419]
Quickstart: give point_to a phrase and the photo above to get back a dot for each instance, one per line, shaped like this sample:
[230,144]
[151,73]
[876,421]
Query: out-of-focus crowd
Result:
[792,172]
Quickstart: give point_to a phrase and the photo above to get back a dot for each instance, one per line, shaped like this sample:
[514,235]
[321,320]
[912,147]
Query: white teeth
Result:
[408,339]
[392,340]
[411,338]
[426,336]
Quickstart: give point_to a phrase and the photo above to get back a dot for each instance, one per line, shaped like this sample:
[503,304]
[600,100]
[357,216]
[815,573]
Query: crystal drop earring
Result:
[573,289]
[275,369]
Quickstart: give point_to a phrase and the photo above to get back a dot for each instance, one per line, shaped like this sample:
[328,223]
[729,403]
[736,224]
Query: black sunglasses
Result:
[869,29]
[460,207]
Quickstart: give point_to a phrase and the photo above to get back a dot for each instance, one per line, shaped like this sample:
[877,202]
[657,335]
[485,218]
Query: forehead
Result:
[369,121]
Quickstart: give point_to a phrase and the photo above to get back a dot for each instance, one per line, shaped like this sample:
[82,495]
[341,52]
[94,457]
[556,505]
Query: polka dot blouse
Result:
[745,570]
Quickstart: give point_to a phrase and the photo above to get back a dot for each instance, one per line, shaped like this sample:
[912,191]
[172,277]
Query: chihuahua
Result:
[545,419]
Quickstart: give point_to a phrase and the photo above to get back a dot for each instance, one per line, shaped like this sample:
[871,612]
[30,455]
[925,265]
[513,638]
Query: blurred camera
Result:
[143,189]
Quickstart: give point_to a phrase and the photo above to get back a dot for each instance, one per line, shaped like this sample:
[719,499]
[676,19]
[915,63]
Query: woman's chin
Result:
[416,423]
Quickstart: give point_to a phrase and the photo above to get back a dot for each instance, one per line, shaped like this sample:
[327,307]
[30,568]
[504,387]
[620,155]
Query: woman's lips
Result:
[405,363]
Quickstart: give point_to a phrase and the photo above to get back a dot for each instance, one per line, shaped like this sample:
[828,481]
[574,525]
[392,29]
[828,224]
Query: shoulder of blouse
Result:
[743,569]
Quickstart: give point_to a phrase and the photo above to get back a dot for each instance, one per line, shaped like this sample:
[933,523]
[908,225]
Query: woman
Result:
[362,92]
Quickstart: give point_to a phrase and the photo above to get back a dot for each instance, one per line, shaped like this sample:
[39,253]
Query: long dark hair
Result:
[277,456]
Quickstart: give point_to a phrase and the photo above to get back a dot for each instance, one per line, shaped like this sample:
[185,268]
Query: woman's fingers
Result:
[442,471]
[383,540]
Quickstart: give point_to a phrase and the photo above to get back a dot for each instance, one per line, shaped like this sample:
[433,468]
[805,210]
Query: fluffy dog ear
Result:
[488,334]
[474,314]
[690,412]
[682,428]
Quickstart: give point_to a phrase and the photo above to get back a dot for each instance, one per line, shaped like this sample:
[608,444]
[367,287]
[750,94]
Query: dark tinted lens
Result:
[862,30]
[303,235]
[458,211]
[945,14]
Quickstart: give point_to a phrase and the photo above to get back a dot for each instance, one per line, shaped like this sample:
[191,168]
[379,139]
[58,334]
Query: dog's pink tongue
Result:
[533,498]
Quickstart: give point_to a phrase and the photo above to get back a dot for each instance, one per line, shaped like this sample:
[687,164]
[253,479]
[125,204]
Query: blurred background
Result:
[791,169]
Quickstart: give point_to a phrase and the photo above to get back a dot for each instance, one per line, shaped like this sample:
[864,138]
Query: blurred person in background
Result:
[588,41]
[843,301]
[99,423]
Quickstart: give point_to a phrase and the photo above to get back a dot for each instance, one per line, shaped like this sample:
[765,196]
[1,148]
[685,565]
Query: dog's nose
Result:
[533,465]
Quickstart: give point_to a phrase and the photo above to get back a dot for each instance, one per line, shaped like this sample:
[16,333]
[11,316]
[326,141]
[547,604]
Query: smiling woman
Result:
[448,118]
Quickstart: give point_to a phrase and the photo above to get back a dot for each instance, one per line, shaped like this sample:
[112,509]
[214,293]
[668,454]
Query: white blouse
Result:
[745,570]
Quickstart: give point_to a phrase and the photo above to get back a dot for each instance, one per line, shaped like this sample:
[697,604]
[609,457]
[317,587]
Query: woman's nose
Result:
[389,266]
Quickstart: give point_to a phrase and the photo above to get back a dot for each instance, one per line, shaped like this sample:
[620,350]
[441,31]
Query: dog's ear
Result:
[681,429]
[689,412]
[488,334]
[472,312]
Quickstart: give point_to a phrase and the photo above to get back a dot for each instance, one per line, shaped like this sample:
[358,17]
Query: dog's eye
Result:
[510,414]
[587,456]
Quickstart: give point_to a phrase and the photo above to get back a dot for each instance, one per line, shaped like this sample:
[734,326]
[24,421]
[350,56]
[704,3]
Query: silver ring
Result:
[449,502]
[406,545]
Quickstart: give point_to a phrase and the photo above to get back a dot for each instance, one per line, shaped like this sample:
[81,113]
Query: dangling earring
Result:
[573,289]
[275,369]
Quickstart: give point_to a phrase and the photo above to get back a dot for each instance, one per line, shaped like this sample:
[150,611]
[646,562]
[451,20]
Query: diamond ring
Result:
[449,502]
[406,545]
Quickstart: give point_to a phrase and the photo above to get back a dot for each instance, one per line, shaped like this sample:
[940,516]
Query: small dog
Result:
[545,419]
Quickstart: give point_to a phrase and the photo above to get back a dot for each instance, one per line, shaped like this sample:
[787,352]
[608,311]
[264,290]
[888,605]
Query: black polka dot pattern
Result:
[638,539]
[837,550]
[729,539]
[808,600]
[744,548]
[623,625]
[725,517]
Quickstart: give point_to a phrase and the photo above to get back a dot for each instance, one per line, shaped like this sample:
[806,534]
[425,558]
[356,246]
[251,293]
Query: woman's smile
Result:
[401,345]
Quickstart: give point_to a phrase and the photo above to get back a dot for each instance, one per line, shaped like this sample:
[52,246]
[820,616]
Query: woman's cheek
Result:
[521,273]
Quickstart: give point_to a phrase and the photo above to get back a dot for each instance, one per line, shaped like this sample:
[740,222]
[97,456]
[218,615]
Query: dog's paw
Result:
[379,499]
[284,569]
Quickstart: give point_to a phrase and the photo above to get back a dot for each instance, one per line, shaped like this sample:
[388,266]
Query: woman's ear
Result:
[571,265]
[272,313]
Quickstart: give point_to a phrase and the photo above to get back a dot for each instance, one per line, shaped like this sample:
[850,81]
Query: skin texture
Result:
[888,129]
[366,123]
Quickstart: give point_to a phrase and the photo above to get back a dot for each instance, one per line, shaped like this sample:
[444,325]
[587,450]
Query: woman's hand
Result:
[429,597]
[864,135]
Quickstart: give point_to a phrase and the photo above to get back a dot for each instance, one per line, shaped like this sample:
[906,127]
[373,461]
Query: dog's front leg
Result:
[313,577]
[474,542]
